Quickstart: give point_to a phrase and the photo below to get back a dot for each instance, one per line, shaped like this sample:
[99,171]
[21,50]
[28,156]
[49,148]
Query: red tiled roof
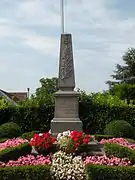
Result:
[19,95]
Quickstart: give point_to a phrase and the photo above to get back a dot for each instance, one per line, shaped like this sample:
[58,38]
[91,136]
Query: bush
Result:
[112,149]
[25,173]
[3,140]
[99,137]
[101,172]
[29,118]
[13,153]
[124,91]
[95,112]
[10,130]
[29,135]
[120,129]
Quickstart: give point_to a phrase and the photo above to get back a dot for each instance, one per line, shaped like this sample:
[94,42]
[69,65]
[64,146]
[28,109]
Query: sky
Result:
[102,31]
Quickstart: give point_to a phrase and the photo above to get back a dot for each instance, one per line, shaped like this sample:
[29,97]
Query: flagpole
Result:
[62,17]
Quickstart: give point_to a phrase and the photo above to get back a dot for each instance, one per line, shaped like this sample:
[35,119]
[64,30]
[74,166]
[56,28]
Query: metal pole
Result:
[62,16]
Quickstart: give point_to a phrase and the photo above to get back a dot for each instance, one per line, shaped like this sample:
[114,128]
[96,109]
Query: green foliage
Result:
[13,153]
[10,130]
[28,135]
[95,111]
[100,172]
[99,137]
[112,149]
[110,100]
[45,93]
[28,118]
[120,129]
[124,91]
[25,173]
[125,73]
[3,140]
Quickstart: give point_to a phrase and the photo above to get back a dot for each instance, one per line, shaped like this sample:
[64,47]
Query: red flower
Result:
[75,139]
[46,146]
[77,145]
[46,135]
[53,140]
[43,141]
[85,141]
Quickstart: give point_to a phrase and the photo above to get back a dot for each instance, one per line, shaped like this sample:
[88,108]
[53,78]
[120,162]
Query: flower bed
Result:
[28,161]
[12,143]
[121,141]
[104,160]
[68,161]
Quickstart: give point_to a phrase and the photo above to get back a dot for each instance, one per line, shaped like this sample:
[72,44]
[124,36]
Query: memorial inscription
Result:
[66,60]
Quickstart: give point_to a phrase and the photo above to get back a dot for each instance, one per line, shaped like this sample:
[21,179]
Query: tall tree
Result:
[125,73]
[45,93]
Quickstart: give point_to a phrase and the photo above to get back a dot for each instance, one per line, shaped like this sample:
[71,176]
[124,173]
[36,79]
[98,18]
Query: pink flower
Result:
[104,160]
[120,141]
[12,143]
[28,160]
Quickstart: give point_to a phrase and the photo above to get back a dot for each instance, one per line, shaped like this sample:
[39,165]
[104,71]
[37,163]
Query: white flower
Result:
[66,133]
[64,166]
[59,136]
[31,139]
[40,134]
[50,131]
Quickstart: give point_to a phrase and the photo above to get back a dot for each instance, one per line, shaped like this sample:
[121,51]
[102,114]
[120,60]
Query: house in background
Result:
[14,96]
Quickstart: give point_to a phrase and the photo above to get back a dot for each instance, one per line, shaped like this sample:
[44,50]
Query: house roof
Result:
[18,95]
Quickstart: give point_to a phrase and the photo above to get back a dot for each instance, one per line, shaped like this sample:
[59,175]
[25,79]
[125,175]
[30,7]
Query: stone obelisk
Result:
[66,116]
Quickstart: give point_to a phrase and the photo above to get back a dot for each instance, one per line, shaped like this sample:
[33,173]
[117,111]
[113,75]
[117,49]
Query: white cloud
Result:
[100,37]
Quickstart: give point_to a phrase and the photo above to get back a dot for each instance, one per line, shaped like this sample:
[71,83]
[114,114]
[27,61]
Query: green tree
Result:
[45,93]
[124,91]
[125,73]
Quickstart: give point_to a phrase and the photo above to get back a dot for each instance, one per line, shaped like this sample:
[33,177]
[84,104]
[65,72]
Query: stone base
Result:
[58,125]
[92,149]
[95,149]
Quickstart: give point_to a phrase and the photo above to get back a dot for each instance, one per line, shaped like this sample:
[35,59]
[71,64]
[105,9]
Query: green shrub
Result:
[124,91]
[3,140]
[25,173]
[112,149]
[100,172]
[95,112]
[13,153]
[99,137]
[28,135]
[10,130]
[120,129]
[30,118]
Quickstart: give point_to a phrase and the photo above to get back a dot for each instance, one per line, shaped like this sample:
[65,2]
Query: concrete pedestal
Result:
[66,112]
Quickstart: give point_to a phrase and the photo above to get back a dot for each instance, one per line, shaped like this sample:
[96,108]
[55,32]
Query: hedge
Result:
[101,172]
[94,116]
[28,135]
[99,137]
[13,153]
[112,149]
[3,139]
[25,173]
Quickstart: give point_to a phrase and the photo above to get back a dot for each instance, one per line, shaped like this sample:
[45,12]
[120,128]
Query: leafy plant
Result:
[117,150]
[10,130]
[120,129]
[43,142]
